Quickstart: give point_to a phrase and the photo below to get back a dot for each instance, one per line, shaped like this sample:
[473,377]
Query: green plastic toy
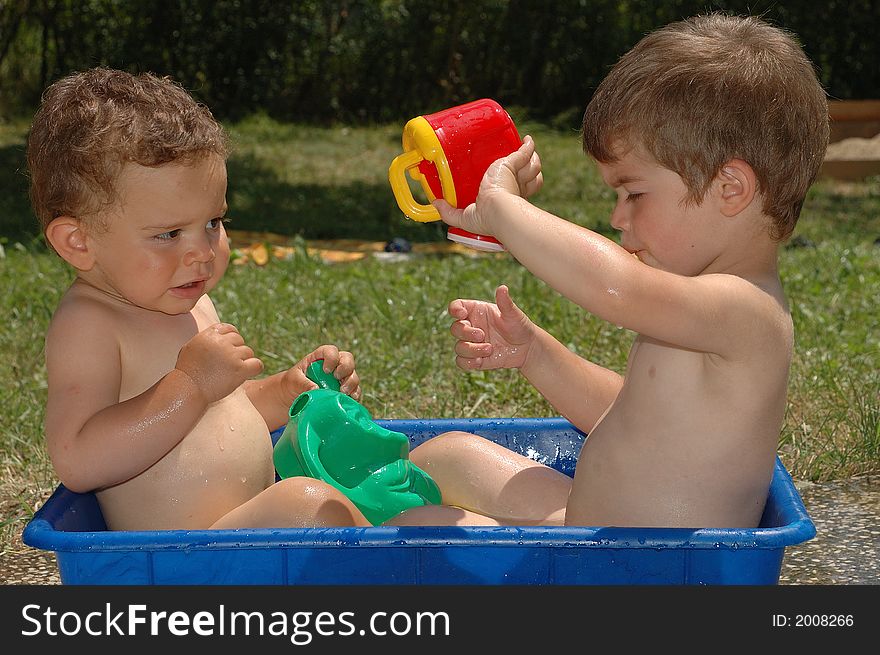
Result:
[332,437]
[315,372]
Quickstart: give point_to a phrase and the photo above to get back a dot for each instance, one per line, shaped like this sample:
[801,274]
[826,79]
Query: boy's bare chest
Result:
[149,348]
[652,362]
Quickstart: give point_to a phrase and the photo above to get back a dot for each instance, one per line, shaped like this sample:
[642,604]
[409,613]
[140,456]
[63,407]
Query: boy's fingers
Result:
[345,367]
[457,329]
[521,157]
[457,309]
[330,356]
[505,303]
[234,338]
[350,386]
[253,366]
[474,334]
[533,186]
[464,331]
[223,328]
[529,177]
[502,297]
[530,170]
[448,214]
[468,363]
[472,350]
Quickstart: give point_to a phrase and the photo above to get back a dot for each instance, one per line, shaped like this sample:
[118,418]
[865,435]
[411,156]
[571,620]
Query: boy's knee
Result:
[454,440]
[450,452]
[316,501]
[302,490]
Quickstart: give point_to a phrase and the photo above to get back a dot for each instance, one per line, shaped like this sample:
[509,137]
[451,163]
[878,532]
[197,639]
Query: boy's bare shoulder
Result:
[82,314]
[752,310]
[742,294]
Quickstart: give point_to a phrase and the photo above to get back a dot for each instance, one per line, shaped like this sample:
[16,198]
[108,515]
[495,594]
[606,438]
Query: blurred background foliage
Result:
[365,61]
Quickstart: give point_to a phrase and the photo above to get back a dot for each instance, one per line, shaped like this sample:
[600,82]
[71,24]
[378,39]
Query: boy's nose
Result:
[200,252]
[619,219]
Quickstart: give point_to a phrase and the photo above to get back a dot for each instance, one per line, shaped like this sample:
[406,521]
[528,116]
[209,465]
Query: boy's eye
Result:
[632,197]
[168,236]
[215,223]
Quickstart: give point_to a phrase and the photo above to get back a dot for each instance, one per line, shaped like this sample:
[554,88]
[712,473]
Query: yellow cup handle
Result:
[402,193]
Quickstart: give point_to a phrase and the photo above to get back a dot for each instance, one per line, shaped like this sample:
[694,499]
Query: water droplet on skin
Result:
[243,479]
[232,428]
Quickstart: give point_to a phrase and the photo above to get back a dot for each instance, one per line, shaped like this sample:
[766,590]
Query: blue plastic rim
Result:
[72,525]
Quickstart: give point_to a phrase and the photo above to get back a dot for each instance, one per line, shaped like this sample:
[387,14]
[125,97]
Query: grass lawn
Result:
[310,183]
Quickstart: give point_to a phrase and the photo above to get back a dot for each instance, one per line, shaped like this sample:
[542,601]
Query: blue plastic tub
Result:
[72,526]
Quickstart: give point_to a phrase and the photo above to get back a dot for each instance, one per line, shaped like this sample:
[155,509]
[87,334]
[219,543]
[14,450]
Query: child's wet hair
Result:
[91,124]
[700,92]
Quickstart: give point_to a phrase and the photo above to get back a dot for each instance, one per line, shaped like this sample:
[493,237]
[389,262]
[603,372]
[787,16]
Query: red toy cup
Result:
[447,153]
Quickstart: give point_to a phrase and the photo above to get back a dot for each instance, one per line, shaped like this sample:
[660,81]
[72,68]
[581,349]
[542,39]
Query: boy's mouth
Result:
[192,289]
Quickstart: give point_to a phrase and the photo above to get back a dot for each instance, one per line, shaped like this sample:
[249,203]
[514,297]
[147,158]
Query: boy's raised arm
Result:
[705,312]
[709,313]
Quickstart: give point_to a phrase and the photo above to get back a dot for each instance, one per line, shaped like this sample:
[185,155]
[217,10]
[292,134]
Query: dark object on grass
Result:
[398,244]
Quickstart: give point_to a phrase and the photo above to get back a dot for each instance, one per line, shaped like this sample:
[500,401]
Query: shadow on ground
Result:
[17,222]
[259,201]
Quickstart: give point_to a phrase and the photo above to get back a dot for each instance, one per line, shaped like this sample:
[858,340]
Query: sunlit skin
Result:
[153,402]
[687,436]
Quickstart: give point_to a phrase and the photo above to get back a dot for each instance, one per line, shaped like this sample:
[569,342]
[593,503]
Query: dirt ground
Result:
[854,148]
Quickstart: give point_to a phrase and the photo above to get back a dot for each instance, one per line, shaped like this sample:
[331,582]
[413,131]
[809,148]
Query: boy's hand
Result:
[519,174]
[218,361]
[338,362]
[490,335]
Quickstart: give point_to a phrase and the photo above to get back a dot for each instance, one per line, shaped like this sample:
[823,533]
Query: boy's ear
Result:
[737,185]
[70,241]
